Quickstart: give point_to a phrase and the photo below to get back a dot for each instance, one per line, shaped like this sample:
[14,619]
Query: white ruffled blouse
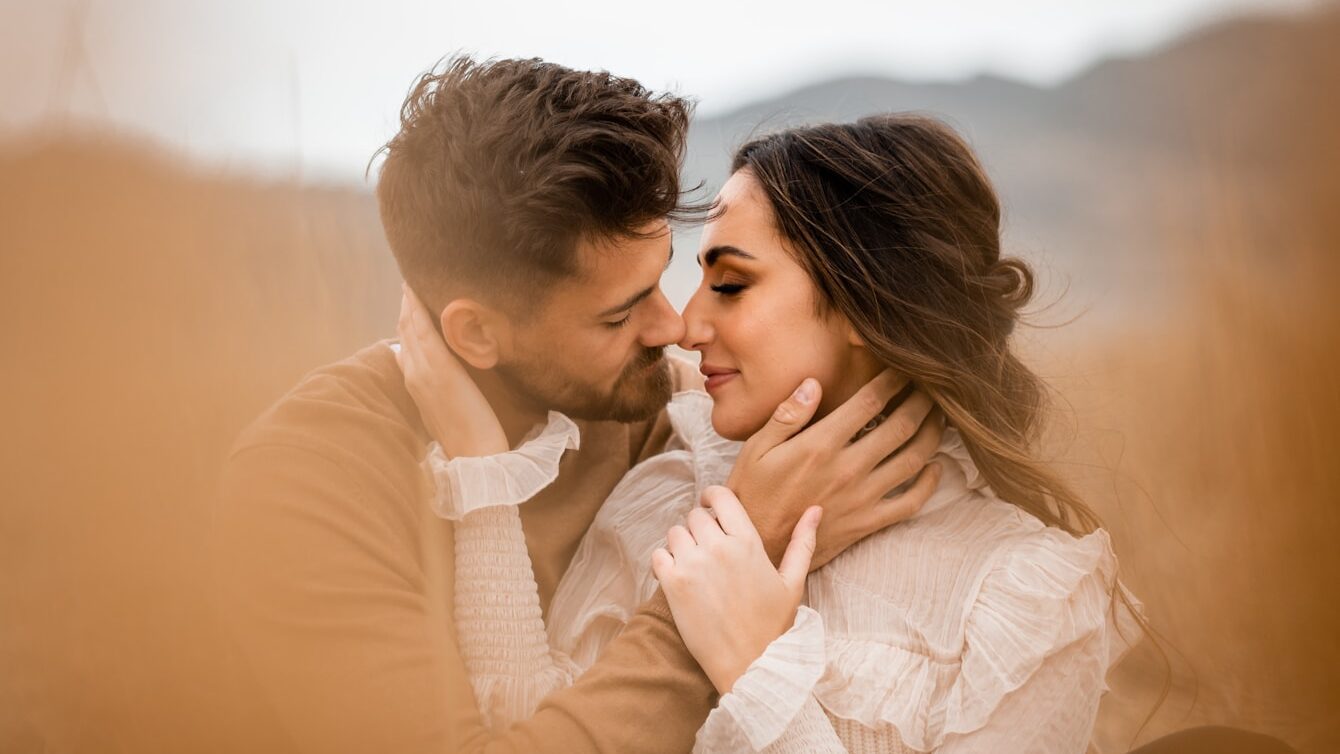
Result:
[971,627]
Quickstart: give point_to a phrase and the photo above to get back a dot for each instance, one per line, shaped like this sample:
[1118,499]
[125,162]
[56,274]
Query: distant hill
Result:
[1099,173]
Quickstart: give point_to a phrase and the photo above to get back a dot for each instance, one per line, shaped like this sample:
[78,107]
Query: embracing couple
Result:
[525,528]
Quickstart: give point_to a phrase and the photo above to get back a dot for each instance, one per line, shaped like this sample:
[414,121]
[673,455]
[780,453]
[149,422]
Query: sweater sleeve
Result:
[323,589]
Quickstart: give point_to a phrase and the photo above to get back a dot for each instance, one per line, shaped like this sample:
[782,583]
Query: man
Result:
[528,205]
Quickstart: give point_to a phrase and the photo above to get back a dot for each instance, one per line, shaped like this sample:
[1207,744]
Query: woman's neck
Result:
[860,368]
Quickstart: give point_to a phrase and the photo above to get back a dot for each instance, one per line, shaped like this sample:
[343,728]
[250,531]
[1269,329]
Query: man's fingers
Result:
[704,527]
[789,418]
[912,457]
[888,512]
[867,403]
[796,560]
[730,514]
[895,431]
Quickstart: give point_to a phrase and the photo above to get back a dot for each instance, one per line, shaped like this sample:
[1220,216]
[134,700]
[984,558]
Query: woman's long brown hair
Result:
[898,226]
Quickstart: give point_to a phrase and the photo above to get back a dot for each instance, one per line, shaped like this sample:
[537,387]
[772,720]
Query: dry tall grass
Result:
[147,313]
[1207,441]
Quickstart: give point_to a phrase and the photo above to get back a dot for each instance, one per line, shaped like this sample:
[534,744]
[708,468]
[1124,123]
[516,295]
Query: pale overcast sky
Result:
[278,83]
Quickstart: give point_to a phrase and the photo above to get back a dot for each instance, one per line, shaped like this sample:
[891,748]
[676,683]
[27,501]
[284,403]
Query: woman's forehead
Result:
[742,216]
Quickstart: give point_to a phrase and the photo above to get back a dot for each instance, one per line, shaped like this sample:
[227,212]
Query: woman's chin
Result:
[735,425]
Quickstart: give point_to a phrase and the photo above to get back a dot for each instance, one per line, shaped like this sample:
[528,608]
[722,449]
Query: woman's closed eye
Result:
[728,289]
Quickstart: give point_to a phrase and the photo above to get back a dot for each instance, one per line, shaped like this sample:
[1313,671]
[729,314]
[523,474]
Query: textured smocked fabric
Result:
[497,599]
[970,627]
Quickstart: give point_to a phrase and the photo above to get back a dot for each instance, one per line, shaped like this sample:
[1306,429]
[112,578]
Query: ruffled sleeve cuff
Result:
[467,484]
[771,693]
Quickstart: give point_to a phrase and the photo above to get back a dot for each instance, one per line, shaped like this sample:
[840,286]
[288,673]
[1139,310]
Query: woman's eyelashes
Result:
[728,289]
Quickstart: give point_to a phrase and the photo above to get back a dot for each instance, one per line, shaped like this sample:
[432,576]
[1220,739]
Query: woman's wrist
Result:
[724,683]
[735,663]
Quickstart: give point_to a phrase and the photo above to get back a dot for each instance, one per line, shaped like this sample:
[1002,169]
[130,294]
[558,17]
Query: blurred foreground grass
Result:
[147,314]
[1207,442]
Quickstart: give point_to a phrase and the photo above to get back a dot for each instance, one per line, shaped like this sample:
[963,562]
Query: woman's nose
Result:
[697,329]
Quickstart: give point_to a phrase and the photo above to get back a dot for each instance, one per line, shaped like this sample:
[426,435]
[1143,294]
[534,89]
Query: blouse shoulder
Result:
[962,605]
[1038,593]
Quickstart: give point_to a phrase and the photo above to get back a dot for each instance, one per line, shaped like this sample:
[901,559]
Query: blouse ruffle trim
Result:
[713,456]
[1046,591]
[469,483]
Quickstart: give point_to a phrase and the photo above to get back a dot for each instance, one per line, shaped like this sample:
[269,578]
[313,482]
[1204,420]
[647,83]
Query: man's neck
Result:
[517,418]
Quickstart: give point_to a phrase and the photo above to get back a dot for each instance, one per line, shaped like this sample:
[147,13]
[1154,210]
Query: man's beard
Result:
[642,389]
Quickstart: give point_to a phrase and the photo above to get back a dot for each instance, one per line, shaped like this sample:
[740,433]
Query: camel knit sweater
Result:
[336,579]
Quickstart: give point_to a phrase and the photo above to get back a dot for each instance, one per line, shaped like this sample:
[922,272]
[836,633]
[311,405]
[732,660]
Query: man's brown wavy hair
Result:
[501,167]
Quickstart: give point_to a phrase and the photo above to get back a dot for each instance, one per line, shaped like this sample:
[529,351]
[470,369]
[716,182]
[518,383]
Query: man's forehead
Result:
[616,257]
[611,269]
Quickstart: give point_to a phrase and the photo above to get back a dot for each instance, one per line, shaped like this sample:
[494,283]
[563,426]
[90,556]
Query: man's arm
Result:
[324,590]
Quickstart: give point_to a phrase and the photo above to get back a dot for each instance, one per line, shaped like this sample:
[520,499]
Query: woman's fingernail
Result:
[805,393]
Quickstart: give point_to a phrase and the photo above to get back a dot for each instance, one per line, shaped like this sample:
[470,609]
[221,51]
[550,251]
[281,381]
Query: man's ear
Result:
[475,331]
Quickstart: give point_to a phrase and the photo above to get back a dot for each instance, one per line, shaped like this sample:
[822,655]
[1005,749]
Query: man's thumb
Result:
[795,565]
[789,418]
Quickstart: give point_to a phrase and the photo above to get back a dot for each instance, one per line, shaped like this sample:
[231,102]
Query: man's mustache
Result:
[645,359]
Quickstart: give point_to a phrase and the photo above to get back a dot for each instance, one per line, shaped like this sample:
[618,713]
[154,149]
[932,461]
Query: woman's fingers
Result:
[427,357]
[679,541]
[662,562]
[730,514]
[795,566]
[407,354]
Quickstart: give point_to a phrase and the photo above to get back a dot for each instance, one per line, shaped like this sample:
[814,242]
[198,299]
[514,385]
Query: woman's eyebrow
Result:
[711,256]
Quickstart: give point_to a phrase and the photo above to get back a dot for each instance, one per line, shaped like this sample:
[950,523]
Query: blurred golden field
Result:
[1207,442]
[150,308]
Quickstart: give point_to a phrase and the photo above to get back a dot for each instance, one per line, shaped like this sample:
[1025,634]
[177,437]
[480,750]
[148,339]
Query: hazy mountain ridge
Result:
[1091,171]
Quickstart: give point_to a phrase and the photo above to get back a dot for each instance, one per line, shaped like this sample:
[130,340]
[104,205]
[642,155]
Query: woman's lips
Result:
[718,378]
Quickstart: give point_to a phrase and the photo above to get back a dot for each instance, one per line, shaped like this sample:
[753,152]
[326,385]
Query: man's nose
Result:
[665,326]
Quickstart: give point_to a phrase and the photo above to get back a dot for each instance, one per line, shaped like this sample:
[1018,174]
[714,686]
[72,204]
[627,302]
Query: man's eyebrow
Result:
[637,297]
[633,302]
[716,252]
[630,303]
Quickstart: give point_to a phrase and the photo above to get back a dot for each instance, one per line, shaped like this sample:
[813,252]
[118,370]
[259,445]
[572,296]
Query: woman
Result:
[987,622]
